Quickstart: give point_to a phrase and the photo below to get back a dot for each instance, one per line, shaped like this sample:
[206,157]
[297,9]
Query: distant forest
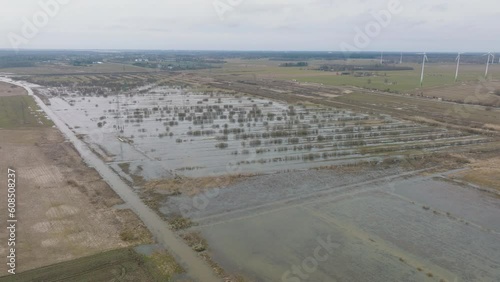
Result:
[377,67]
[298,64]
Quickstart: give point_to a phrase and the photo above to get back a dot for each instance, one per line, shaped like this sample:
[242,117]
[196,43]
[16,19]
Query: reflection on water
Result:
[199,134]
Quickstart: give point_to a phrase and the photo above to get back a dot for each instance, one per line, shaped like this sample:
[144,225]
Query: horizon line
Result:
[239,50]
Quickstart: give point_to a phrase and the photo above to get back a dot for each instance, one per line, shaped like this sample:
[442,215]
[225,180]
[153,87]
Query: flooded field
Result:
[164,131]
[287,220]
[418,229]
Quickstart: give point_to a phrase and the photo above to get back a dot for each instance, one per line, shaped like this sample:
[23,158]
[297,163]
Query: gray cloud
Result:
[433,25]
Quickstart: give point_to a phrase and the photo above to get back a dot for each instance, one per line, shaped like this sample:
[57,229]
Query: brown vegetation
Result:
[7,89]
[194,186]
[482,172]
[67,210]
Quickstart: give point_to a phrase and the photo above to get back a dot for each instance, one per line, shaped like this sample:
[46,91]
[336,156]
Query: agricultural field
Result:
[63,69]
[117,265]
[485,93]
[21,111]
[67,202]
[7,89]
[405,81]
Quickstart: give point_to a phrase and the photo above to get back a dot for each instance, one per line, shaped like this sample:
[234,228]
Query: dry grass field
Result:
[65,210]
[7,89]
[476,93]
[484,173]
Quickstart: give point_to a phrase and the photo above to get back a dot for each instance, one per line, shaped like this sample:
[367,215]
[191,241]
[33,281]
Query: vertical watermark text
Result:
[11,220]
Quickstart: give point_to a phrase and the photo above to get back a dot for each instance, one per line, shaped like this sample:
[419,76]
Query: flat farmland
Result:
[21,111]
[62,204]
[451,113]
[407,81]
[68,69]
[7,89]
[125,264]
[117,264]
[477,93]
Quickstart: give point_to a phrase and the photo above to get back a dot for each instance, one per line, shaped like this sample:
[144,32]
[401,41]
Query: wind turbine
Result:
[492,57]
[458,65]
[382,57]
[423,68]
[401,59]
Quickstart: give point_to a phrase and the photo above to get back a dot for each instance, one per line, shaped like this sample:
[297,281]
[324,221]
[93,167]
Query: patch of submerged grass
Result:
[131,233]
[153,200]
[178,222]
[443,161]
[195,241]
[163,265]
[194,186]
[137,179]
[125,167]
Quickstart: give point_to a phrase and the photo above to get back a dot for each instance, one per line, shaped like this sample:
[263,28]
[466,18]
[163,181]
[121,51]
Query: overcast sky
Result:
[423,25]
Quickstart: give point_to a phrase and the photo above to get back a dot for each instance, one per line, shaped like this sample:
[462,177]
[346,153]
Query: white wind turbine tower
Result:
[490,57]
[382,57]
[401,59]
[458,65]
[423,68]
